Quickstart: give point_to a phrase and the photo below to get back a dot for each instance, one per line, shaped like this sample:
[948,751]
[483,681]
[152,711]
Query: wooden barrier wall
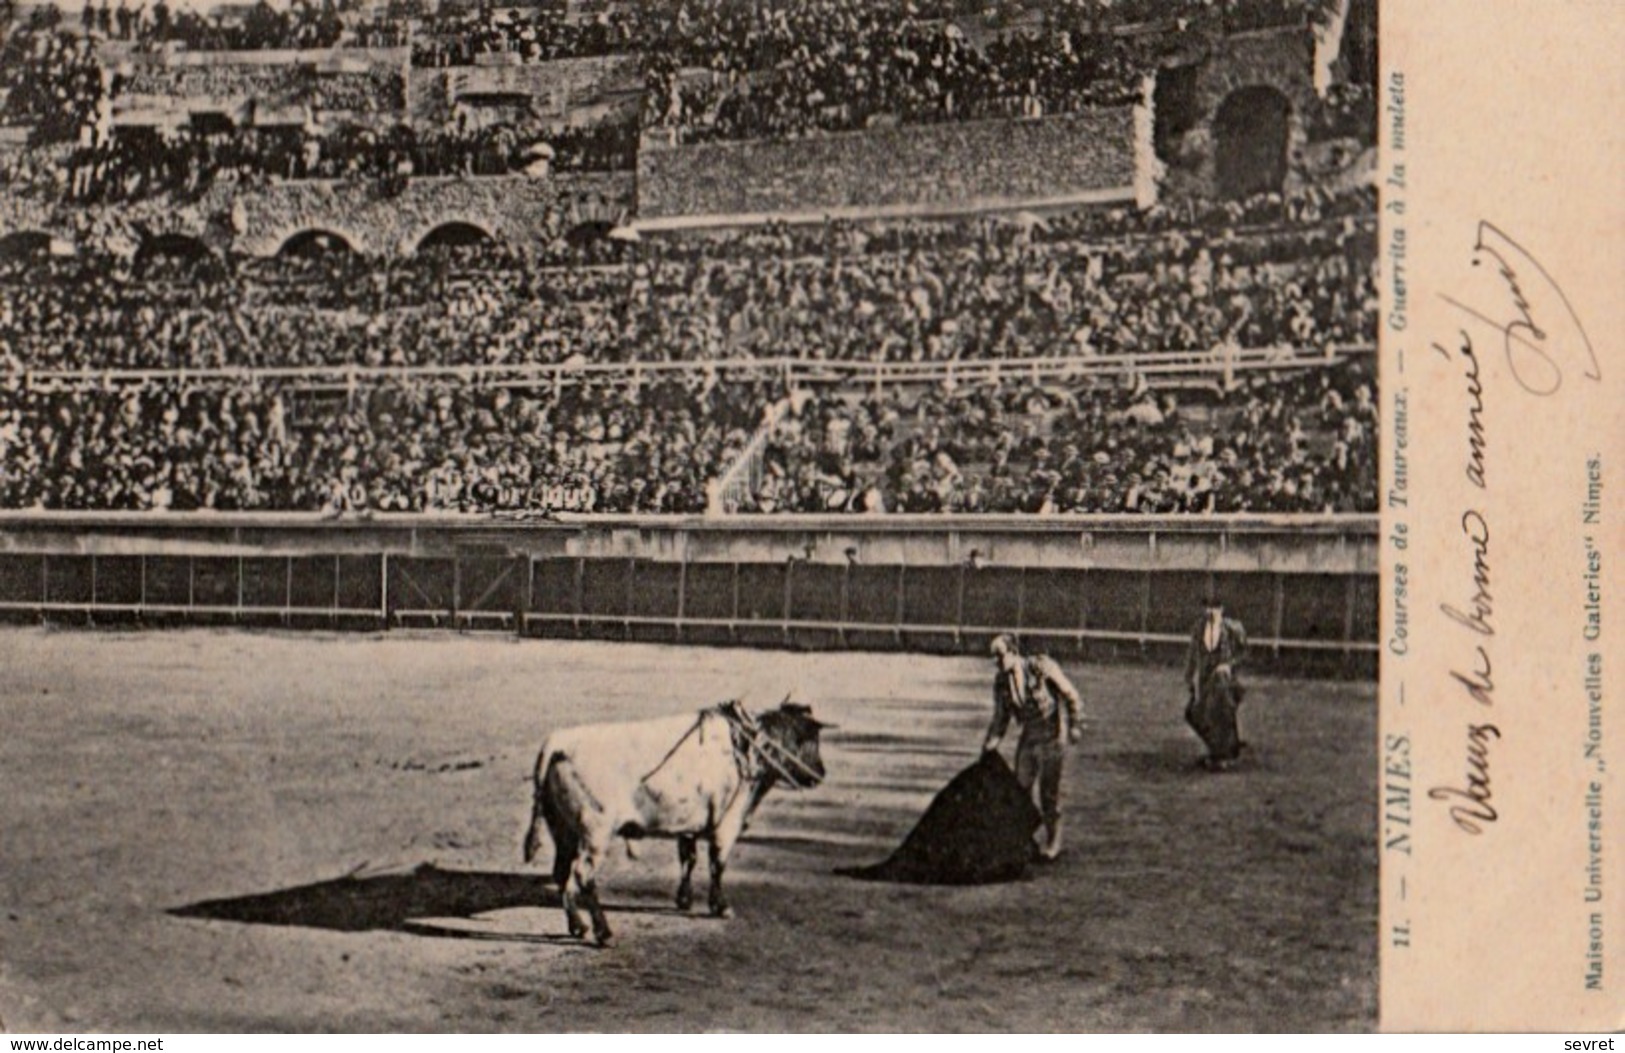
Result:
[1090,587]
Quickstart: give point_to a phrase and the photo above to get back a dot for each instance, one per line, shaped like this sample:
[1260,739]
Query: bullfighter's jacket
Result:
[1225,644]
[1037,695]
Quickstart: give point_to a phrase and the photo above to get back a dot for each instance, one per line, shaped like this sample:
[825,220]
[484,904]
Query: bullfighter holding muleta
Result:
[1035,692]
[1218,646]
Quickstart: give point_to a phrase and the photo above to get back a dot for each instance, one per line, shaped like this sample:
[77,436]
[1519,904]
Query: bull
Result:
[682,777]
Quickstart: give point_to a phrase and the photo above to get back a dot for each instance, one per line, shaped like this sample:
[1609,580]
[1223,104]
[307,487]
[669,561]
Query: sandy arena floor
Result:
[226,831]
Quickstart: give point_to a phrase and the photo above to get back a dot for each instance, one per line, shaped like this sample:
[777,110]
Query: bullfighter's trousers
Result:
[1039,759]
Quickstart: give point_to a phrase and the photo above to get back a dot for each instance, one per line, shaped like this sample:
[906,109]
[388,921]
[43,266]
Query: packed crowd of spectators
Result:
[142,162]
[1270,271]
[1305,444]
[838,65]
[537,35]
[832,65]
[302,25]
[414,441]
[972,290]
[731,37]
[1231,15]
[409,445]
[52,83]
[991,300]
[779,69]
[375,91]
[713,70]
[379,33]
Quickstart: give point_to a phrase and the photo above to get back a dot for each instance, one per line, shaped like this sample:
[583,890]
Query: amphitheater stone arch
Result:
[453,232]
[516,210]
[175,245]
[1257,85]
[316,241]
[26,243]
[25,213]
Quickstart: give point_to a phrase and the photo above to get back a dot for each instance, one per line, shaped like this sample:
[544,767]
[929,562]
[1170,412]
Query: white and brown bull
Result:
[682,777]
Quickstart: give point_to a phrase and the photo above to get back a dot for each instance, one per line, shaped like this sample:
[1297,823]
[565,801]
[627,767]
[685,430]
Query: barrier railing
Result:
[1322,623]
[326,587]
[1165,365]
[1090,589]
[334,590]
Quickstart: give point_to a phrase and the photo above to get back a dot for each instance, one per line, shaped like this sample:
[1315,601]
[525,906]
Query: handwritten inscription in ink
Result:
[1537,326]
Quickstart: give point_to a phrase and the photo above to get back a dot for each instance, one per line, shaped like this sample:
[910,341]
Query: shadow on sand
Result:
[356,903]
[398,901]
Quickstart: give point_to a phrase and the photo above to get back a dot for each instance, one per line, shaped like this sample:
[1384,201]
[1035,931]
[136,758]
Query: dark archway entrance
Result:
[454,236]
[1359,52]
[22,246]
[312,244]
[589,232]
[1176,105]
[1250,142]
[174,256]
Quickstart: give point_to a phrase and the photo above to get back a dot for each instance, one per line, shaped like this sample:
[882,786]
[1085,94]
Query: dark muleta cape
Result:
[978,830]
[1211,713]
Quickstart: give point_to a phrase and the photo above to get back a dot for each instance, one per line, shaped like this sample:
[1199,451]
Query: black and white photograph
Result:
[689,516]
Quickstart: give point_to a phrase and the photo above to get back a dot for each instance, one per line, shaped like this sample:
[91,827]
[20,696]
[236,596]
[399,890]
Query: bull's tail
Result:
[539,806]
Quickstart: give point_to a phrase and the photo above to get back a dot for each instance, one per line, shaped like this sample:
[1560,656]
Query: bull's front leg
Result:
[688,853]
[719,863]
[722,837]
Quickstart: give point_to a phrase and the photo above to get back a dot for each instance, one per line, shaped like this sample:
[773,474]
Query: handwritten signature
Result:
[1536,350]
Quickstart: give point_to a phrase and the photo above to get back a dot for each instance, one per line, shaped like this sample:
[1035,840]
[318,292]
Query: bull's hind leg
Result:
[584,878]
[564,861]
[688,853]
[566,847]
[572,916]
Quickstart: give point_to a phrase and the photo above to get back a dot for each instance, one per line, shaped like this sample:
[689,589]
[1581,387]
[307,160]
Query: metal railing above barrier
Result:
[1187,365]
